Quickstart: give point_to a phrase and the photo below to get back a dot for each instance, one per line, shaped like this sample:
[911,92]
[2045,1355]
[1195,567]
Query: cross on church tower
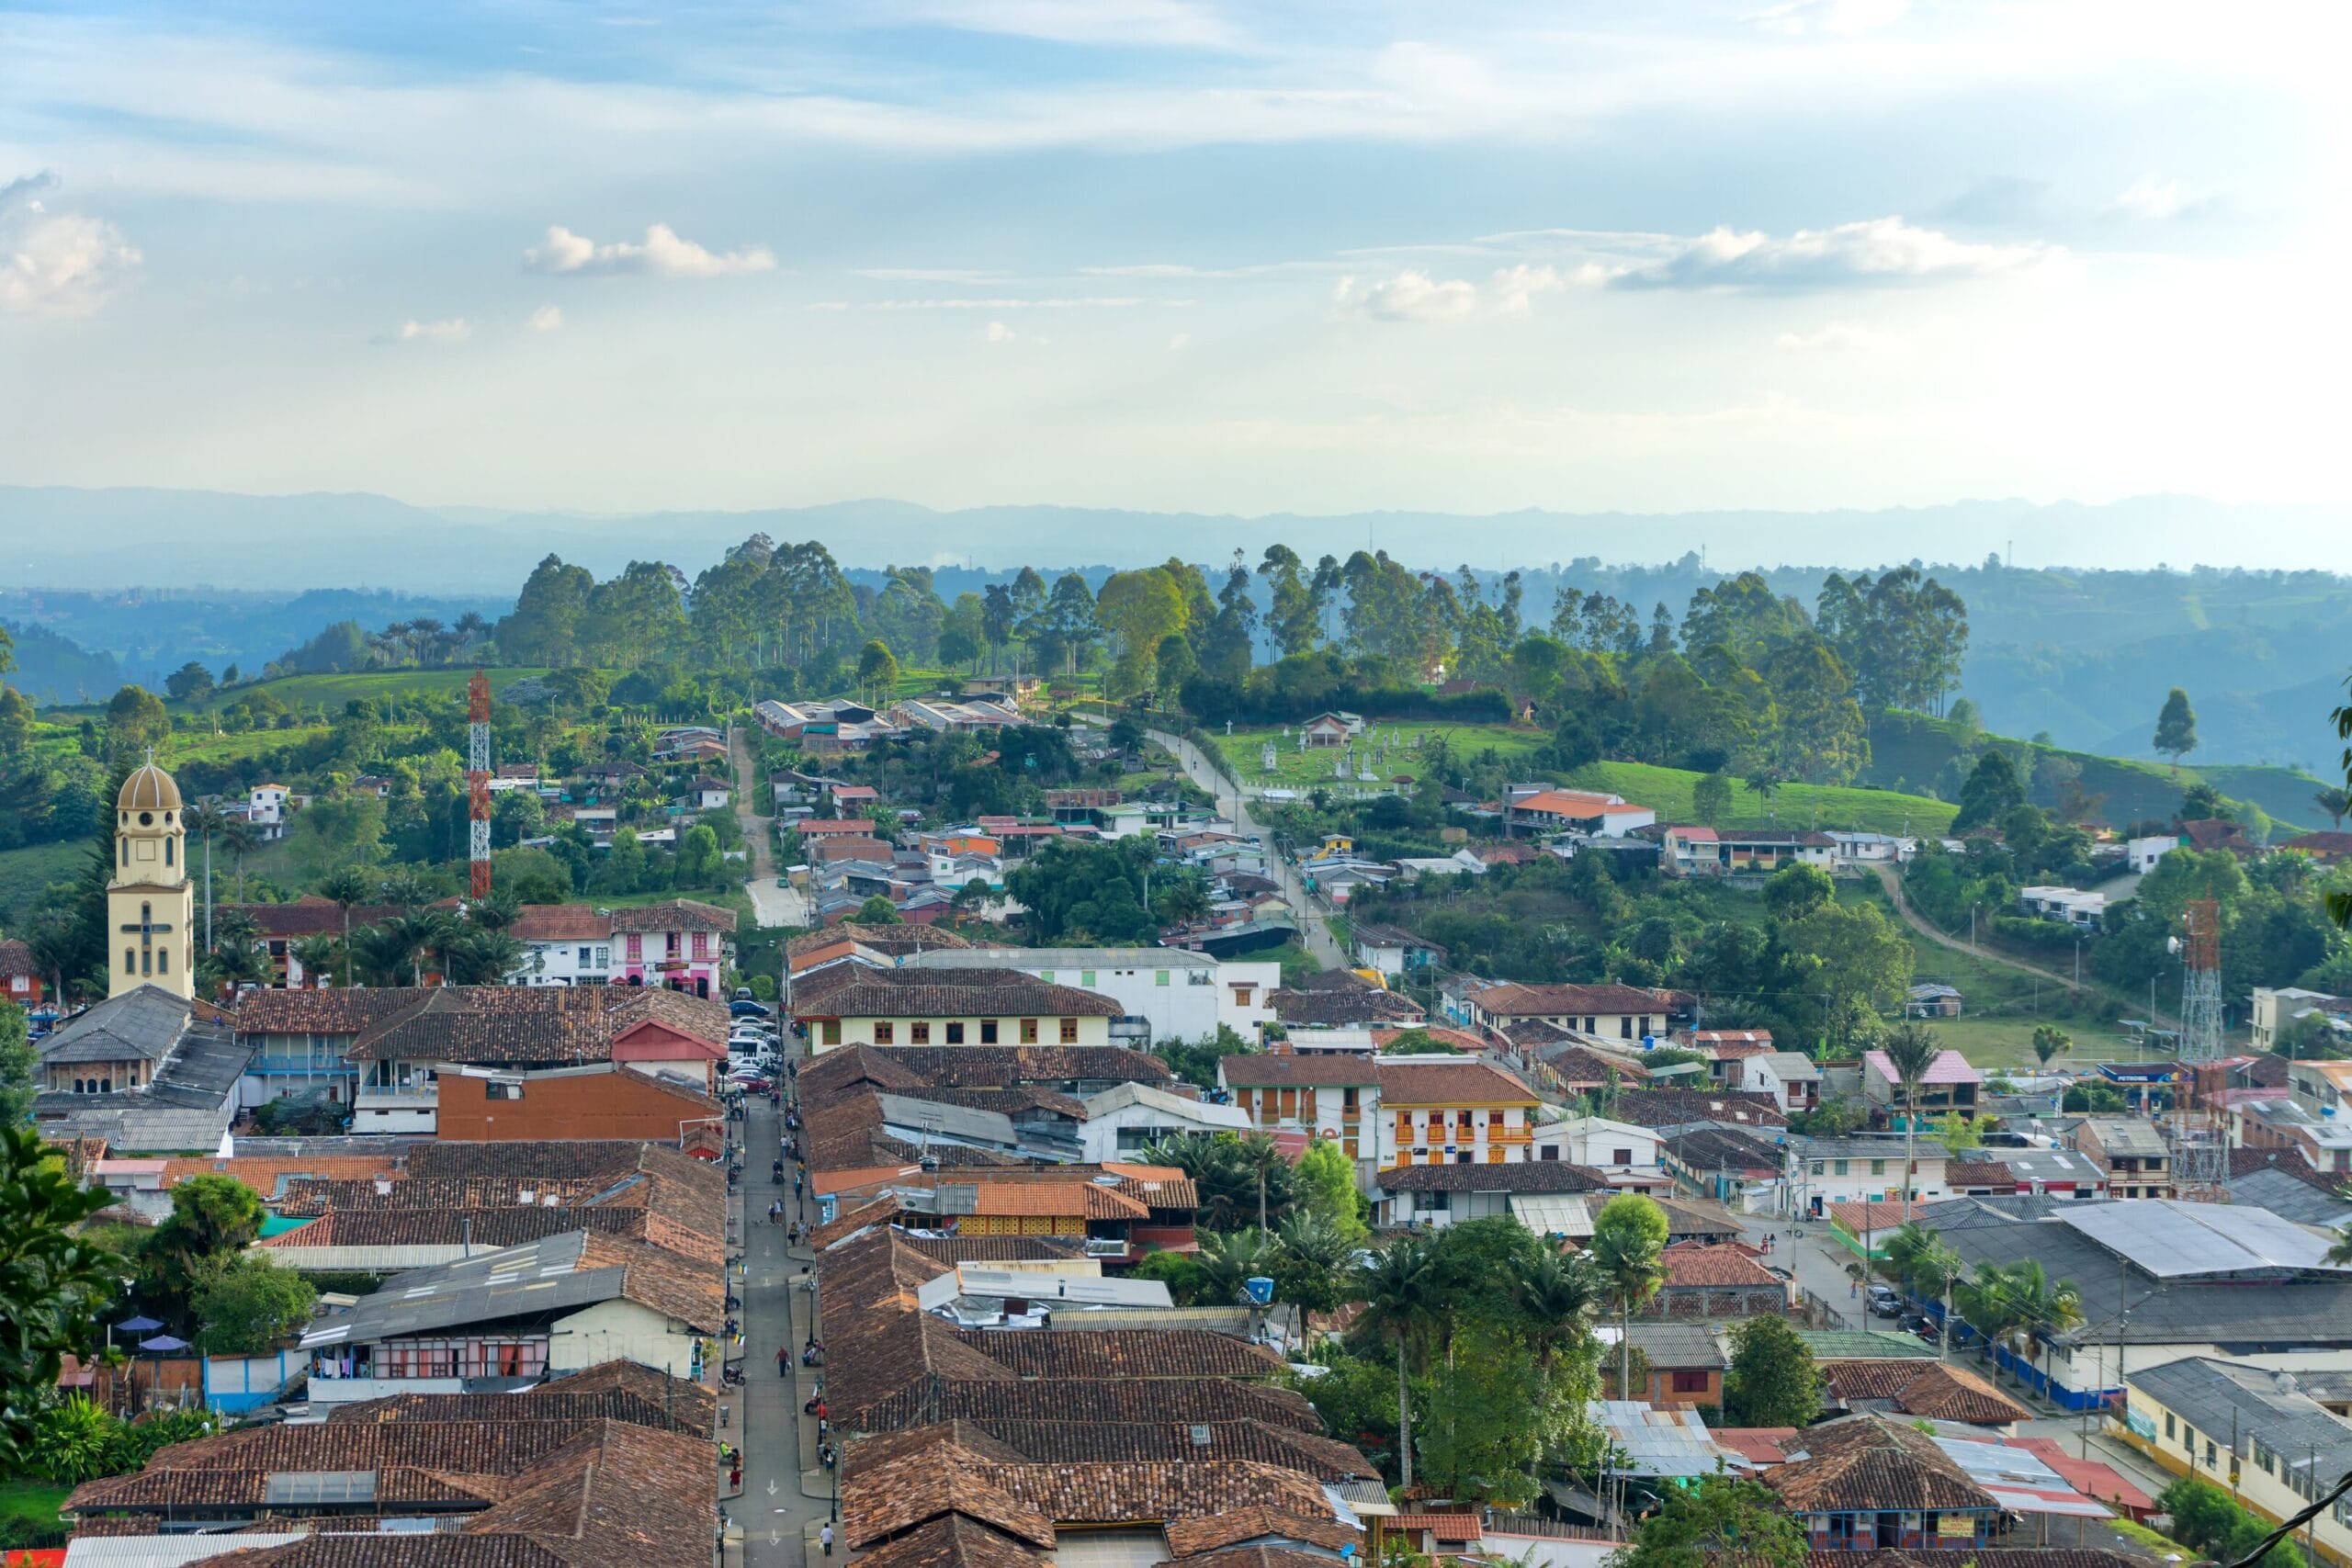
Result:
[146,929]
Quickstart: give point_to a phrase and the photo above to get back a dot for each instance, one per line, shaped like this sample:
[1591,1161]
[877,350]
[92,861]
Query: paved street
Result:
[774,905]
[1313,918]
[776,1516]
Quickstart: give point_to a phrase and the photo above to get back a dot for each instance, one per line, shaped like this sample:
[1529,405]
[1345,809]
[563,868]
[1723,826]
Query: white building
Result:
[1616,1149]
[563,944]
[1179,994]
[267,809]
[1121,1120]
[2072,905]
[2142,854]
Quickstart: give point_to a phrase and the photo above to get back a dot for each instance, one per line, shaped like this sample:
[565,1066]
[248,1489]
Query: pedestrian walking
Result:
[783,1363]
[825,1534]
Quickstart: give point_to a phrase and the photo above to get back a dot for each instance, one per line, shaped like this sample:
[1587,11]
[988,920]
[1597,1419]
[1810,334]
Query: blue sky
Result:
[1177,253]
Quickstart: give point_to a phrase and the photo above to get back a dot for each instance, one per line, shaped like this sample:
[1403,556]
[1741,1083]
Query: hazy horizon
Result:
[1178,256]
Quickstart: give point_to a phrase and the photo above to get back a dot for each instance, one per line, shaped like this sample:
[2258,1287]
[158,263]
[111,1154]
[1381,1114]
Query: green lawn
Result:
[1667,790]
[312,691]
[24,872]
[194,746]
[1295,769]
[34,1500]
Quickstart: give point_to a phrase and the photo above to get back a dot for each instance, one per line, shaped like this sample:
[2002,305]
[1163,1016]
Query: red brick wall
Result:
[594,1105]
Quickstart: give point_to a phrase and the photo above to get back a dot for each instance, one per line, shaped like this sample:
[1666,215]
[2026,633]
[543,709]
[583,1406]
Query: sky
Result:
[1179,254]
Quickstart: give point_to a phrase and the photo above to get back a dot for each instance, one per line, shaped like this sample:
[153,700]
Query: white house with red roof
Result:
[564,944]
[1579,811]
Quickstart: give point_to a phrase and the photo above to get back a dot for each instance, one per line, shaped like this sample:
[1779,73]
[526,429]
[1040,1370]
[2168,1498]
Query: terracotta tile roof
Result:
[1933,1390]
[1867,1464]
[1112,1354]
[416,1461]
[996,1248]
[16,958]
[675,915]
[1519,1176]
[1671,1107]
[1157,1493]
[1444,1528]
[690,1290]
[1217,1534]
[924,1482]
[334,1011]
[1510,999]
[895,941]
[1258,1556]
[270,1175]
[1066,1442]
[1338,1009]
[972,993]
[953,1542]
[482,1228]
[307,916]
[1284,1070]
[620,1390]
[990,1400]
[1980,1173]
[1465,1082]
[511,1025]
[562,923]
[1694,1264]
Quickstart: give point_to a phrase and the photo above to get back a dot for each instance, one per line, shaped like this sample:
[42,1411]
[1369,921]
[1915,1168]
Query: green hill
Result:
[313,692]
[1911,752]
[1668,791]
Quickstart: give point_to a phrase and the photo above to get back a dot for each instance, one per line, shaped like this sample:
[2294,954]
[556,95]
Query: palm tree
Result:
[347,886]
[2044,1311]
[1911,1050]
[1400,1295]
[1227,1259]
[1260,1154]
[2336,803]
[380,953]
[1630,1259]
[237,837]
[205,818]
[481,957]
[1558,1292]
[418,933]
[318,955]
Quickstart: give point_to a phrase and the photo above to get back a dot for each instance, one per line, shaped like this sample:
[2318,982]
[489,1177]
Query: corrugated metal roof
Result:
[2173,1240]
[168,1550]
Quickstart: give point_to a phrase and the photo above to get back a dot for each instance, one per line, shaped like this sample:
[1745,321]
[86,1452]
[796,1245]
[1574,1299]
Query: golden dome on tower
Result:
[147,788]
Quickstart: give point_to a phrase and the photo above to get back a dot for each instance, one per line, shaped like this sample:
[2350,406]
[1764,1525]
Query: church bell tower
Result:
[151,905]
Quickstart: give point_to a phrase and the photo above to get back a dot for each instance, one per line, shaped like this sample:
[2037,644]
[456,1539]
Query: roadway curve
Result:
[1890,879]
[1313,918]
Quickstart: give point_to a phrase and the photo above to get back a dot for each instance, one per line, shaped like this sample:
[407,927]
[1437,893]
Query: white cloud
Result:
[1413,295]
[546,319]
[56,263]
[1410,296]
[663,253]
[2156,201]
[1176,345]
[1834,337]
[1837,17]
[1160,23]
[996,331]
[1875,251]
[454,330]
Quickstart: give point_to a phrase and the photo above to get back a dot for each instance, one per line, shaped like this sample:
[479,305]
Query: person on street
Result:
[825,1535]
[783,1363]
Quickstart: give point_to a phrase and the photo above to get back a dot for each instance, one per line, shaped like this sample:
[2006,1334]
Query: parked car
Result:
[744,1007]
[1884,1302]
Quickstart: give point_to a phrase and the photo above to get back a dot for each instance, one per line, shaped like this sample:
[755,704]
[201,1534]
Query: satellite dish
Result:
[2172,944]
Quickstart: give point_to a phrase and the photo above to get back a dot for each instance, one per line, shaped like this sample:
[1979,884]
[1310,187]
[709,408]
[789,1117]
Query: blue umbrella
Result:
[163,1342]
[138,1325]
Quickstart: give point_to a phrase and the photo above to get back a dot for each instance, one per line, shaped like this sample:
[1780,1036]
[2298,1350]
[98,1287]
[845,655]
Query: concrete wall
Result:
[620,1328]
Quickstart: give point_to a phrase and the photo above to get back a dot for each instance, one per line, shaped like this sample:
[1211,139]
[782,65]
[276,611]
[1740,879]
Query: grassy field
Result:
[2003,1007]
[330,692]
[1295,769]
[33,1500]
[24,872]
[1667,790]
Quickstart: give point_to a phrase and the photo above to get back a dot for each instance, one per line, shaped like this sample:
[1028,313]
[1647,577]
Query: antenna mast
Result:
[477,786]
[2201,1155]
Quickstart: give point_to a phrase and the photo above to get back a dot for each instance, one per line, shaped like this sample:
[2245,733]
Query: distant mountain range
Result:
[61,537]
[2084,650]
